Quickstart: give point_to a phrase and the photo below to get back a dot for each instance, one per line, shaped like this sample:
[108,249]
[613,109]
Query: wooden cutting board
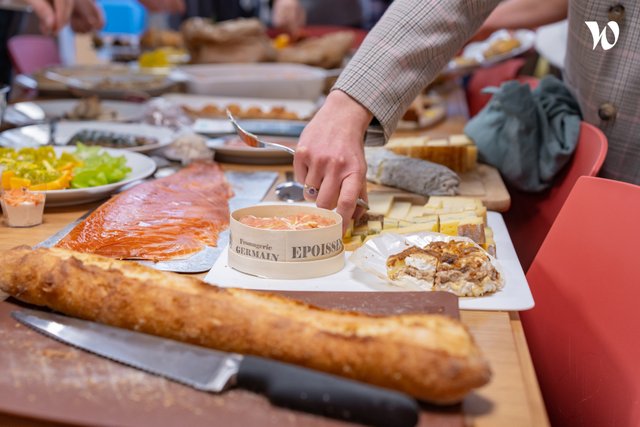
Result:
[47,380]
[485,183]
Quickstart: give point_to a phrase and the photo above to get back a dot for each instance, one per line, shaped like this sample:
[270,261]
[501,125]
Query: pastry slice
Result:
[459,267]
[464,269]
[414,263]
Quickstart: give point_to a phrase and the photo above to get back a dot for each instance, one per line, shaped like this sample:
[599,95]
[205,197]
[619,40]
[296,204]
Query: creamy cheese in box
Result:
[286,242]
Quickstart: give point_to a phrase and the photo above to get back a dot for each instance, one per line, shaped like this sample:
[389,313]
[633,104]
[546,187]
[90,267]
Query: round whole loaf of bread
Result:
[431,357]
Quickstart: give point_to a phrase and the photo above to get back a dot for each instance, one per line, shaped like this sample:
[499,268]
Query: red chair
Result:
[531,214]
[583,330]
[492,76]
[30,53]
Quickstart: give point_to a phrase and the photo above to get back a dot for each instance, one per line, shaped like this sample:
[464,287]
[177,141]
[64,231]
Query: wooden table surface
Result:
[511,398]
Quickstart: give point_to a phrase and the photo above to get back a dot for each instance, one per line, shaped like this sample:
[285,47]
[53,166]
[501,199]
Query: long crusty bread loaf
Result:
[431,357]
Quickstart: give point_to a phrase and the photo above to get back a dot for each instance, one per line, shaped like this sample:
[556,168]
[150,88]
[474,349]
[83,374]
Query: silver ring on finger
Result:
[311,192]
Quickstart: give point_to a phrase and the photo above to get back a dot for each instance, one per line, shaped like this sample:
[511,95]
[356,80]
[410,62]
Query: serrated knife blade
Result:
[198,367]
[213,371]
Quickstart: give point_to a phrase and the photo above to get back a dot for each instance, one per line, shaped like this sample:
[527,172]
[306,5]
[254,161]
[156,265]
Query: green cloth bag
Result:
[529,136]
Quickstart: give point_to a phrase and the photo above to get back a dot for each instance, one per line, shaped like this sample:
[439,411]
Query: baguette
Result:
[431,357]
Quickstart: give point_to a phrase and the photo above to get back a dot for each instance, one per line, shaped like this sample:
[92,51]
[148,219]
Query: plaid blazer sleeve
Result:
[406,50]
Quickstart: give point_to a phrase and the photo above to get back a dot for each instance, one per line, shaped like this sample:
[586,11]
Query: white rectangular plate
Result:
[515,296]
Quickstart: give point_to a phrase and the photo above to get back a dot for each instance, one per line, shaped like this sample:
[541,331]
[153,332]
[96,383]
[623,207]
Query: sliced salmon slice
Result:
[168,218]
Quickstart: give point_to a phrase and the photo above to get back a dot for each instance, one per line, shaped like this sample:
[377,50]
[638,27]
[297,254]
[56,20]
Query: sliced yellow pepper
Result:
[281,41]
[16,183]
[6,179]
[59,184]
[38,187]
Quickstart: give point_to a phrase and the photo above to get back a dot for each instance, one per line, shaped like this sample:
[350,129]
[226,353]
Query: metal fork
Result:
[253,141]
[53,127]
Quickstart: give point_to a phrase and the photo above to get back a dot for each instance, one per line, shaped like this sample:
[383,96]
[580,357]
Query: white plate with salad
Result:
[138,137]
[95,174]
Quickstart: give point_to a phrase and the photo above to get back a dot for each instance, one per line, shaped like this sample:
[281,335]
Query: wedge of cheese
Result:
[449,222]
[380,203]
[416,211]
[352,243]
[415,228]
[399,210]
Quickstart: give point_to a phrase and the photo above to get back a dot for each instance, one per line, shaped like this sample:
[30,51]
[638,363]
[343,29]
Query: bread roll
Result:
[431,357]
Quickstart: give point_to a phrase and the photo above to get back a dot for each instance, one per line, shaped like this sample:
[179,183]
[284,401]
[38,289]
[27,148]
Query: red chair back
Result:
[531,214]
[583,330]
[492,76]
[30,53]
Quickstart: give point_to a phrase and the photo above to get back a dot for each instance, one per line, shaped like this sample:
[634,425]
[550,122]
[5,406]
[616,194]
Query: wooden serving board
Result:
[46,380]
[484,183]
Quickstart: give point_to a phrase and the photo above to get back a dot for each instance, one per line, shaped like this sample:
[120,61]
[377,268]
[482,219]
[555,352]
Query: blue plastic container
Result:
[123,17]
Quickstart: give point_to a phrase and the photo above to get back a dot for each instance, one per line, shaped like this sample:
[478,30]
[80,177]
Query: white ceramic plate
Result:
[304,109]
[35,135]
[25,113]
[476,50]
[243,154]
[141,167]
[44,85]
[514,296]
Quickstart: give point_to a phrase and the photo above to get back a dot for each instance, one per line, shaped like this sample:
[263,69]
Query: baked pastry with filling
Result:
[456,266]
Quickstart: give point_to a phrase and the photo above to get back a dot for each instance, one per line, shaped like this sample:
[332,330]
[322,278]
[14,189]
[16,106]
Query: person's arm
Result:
[87,16]
[403,53]
[288,15]
[514,14]
[52,15]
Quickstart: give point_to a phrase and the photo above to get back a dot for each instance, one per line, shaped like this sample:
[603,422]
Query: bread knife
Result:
[215,371]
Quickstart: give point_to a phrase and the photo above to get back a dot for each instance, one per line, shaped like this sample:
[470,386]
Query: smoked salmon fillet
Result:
[163,219]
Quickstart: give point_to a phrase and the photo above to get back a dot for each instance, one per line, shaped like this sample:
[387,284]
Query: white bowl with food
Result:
[286,242]
[22,208]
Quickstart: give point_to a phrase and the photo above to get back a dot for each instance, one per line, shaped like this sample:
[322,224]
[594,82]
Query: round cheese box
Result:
[285,241]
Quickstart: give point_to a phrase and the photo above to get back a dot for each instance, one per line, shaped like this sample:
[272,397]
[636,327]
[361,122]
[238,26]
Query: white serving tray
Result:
[515,296]
[264,80]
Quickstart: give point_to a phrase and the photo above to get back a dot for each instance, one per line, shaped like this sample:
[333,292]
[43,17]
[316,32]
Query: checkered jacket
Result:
[416,38]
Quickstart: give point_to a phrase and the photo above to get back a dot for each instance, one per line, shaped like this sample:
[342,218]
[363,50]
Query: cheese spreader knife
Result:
[214,371]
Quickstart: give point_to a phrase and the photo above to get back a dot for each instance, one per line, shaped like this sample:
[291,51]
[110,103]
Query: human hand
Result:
[87,16]
[330,155]
[171,6]
[52,15]
[288,15]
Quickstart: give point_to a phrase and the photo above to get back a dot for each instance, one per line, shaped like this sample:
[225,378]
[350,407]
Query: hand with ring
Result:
[310,193]
[329,159]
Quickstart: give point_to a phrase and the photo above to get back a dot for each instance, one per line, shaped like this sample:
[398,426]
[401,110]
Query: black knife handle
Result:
[319,393]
